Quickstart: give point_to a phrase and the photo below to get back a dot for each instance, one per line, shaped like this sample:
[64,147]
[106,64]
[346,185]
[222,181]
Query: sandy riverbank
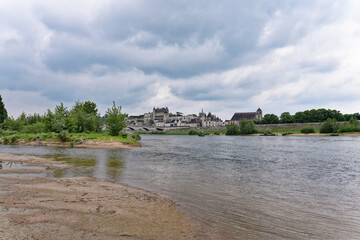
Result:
[92,144]
[83,208]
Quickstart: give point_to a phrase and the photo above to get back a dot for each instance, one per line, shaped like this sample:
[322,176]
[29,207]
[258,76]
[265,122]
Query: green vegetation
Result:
[193,132]
[64,136]
[329,126]
[268,132]
[77,138]
[3,112]
[286,117]
[115,120]
[351,126]
[190,132]
[232,129]
[313,115]
[75,126]
[270,119]
[307,130]
[82,118]
[246,127]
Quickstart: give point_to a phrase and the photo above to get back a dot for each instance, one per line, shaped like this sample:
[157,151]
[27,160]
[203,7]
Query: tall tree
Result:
[3,112]
[270,119]
[115,121]
[286,117]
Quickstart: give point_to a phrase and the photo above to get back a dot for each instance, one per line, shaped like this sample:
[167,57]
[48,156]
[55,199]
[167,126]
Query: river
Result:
[240,187]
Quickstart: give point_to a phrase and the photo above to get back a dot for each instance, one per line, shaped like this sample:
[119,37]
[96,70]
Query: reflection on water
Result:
[238,187]
[11,165]
[106,165]
[18,165]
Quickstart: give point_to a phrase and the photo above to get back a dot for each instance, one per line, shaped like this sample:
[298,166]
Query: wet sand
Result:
[83,208]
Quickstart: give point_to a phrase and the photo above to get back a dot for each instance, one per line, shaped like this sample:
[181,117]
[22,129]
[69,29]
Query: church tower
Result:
[258,114]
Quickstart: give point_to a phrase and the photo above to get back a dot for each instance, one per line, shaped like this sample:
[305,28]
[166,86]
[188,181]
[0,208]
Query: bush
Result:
[268,132]
[38,127]
[307,130]
[13,125]
[158,132]
[136,136]
[348,128]
[232,129]
[44,137]
[354,122]
[64,135]
[6,140]
[115,121]
[193,132]
[247,127]
[217,132]
[352,126]
[14,139]
[123,135]
[329,126]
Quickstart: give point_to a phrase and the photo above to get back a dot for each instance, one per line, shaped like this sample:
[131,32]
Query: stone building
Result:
[254,116]
[160,114]
[209,120]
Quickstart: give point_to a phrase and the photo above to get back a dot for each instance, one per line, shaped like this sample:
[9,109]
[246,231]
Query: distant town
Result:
[161,117]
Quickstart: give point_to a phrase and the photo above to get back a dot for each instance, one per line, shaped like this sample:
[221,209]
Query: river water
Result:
[239,187]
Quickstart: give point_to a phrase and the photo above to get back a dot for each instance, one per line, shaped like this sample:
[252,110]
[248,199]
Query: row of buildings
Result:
[161,117]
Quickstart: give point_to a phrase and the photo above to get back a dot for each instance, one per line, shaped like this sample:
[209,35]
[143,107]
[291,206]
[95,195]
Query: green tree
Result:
[232,129]
[84,117]
[13,124]
[329,126]
[60,118]
[354,122]
[3,112]
[247,127]
[270,119]
[286,117]
[115,120]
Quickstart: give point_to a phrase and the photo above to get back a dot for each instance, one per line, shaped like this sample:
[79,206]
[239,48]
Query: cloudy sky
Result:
[222,56]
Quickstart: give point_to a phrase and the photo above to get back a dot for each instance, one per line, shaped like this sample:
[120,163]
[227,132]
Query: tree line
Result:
[313,115]
[83,117]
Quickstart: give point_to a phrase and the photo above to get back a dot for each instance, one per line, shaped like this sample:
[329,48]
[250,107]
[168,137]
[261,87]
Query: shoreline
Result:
[83,208]
[90,144]
[260,134]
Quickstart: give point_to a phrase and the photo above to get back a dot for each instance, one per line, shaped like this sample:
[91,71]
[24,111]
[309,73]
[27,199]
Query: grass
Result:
[73,137]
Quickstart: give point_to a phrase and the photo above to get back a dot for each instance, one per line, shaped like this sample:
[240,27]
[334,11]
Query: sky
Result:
[221,56]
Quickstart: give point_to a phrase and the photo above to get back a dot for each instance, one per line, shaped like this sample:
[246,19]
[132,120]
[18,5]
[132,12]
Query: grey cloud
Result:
[165,36]
[156,25]
[123,48]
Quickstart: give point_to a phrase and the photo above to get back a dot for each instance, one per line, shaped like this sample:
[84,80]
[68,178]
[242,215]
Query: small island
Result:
[80,127]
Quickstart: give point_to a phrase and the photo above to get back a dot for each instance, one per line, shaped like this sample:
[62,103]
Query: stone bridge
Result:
[153,128]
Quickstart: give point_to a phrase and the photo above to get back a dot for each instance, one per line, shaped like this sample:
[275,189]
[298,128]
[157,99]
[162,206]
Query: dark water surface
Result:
[238,187]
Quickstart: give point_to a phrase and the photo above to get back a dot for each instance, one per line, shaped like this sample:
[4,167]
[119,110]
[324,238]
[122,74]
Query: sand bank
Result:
[83,208]
[93,144]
